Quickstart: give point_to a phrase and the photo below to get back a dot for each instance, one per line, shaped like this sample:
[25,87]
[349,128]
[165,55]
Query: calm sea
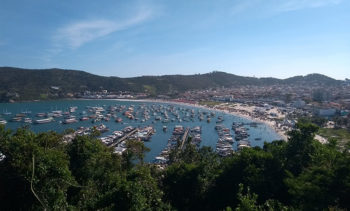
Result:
[158,140]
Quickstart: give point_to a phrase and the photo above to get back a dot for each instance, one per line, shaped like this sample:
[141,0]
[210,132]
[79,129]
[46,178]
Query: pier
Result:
[184,138]
[124,137]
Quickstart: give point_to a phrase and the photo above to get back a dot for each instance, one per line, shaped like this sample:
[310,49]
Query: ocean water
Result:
[158,141]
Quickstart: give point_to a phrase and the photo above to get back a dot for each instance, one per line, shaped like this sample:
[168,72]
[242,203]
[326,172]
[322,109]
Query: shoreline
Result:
[270,124]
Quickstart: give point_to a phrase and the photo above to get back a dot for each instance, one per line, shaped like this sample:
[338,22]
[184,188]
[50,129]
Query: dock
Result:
[184,137]
[124,137]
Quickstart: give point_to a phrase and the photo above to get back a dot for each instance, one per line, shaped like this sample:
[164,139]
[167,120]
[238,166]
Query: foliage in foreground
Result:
[39,171]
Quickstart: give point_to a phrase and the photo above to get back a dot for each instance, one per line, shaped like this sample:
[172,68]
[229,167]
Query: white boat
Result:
[3,122]
[7,113]
[16,119]
[40,114]
[70,120]
[73,109]
[43,121]
[28,120]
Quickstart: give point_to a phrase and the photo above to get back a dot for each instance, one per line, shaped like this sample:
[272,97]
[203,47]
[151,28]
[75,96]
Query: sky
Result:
[127,38]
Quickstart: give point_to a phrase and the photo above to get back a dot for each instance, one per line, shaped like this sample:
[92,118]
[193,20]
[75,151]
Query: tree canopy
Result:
[40,171]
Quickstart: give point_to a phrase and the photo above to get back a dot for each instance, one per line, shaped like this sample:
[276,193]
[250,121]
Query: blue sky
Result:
[262,38]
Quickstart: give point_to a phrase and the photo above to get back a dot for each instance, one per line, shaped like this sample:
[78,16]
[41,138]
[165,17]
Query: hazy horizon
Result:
[165,74]
[258,38]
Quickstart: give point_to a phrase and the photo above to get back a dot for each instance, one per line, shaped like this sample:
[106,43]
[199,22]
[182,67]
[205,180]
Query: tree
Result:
[135,151]
[300,147]
[36,167]
[248,201]
[96,169]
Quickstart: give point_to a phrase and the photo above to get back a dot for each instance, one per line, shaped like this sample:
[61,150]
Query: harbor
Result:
[150,122]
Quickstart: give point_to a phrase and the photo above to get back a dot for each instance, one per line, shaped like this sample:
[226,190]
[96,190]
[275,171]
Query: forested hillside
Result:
[27,84]
[39,171]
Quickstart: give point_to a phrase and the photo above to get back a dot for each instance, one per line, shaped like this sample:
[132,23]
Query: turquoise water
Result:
[158,140]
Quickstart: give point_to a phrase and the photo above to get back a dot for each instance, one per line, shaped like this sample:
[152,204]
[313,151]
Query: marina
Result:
[159,125]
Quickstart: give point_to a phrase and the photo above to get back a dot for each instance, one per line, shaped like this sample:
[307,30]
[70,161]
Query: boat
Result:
[70,120]
[40,114]
[220,119]
[128,129]
[43,121]
[21,115]
[102,128]
[73,109]
[225,141]
[3,122]
[16,119]
[253,124]
[118,133]
[84,118]
[164,128]
[243,144]
[7,113]
[26,112]
[165,120]
[28,120]
[56,113]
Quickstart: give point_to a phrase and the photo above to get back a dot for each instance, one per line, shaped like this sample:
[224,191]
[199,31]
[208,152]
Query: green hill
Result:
[30,84]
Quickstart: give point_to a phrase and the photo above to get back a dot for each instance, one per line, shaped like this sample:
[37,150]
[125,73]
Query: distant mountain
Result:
[30,84]
[312,79]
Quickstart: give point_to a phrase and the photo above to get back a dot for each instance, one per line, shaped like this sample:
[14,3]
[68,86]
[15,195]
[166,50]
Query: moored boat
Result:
[84,118]
[28,120]
[3,122]
[16,119]
[43,121]
[70,120]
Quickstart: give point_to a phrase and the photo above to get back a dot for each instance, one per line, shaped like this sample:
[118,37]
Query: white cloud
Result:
[77,34]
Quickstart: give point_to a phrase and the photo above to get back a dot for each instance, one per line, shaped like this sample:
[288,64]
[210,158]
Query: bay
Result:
[258,135]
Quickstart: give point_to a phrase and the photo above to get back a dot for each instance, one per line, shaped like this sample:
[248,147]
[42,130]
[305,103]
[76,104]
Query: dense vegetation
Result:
[27,84]
[39,171]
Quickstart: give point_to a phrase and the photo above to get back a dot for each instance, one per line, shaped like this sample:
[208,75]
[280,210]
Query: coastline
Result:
[270,124]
